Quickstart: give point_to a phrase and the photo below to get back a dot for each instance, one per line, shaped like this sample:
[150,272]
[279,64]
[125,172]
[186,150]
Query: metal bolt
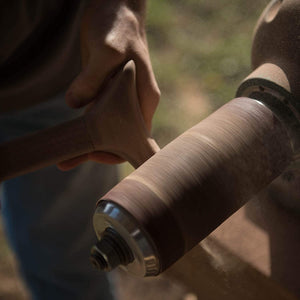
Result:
[111,251]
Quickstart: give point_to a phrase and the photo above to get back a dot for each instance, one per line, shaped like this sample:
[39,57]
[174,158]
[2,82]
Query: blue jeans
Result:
[48,215]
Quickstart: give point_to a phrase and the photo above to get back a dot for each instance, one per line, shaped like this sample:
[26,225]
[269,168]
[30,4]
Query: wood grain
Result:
[180,195]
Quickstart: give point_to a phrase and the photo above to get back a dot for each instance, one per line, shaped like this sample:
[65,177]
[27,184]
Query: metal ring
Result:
[146,261]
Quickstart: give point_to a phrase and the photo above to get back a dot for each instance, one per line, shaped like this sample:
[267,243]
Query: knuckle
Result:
[123,35]
[131,19]
[113,47]
[156,94]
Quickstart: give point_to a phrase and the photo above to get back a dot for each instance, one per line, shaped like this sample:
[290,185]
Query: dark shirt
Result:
[39,50]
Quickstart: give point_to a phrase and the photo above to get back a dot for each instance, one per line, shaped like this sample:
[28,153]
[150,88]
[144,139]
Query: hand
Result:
[112,33]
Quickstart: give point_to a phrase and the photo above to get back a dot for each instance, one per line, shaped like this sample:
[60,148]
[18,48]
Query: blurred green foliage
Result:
[203,42]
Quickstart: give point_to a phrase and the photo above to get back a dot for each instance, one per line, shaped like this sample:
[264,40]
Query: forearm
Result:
[137,6]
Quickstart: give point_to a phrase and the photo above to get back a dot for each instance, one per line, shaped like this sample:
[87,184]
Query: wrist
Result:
[138,6]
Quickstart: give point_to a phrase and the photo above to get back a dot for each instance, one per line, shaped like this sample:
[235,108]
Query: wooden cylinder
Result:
[43,148]
[190,187]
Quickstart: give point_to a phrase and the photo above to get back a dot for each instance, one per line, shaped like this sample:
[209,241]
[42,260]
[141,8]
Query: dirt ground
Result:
[11,286]
[208,272]
[160,288]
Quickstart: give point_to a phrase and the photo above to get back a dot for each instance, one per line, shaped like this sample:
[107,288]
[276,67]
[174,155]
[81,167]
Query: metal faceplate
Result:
[146,261]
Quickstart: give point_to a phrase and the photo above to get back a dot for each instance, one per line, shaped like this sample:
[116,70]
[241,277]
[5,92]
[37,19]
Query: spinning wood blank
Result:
[190,187]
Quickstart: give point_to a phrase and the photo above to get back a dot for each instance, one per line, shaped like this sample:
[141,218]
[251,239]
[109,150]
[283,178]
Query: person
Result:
[53,51]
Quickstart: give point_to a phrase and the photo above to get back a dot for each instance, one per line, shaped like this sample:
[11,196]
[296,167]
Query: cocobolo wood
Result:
[190,187]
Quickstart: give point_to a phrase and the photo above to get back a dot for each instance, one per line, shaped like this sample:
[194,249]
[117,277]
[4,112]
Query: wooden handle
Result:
[46,147]
[116,124]
[113,123]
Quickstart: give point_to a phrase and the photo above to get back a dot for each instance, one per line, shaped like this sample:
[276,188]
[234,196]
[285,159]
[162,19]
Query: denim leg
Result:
[48,215]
